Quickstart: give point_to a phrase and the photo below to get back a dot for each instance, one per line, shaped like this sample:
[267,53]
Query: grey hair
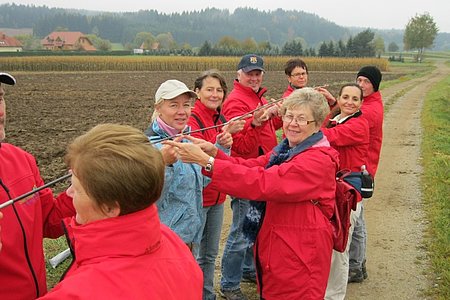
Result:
[307,97]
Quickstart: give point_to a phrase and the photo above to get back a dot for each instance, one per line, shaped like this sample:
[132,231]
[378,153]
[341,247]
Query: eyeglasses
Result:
[301,122]
[299,74]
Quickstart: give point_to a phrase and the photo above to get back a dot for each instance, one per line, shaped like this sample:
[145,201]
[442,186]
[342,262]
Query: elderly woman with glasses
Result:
[295,183]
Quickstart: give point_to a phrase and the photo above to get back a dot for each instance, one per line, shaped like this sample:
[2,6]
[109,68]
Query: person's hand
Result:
[330,98]
[224,139]
[206,146]
[189,152]
[234,126]
[259,117]
[1,217]
[169,154]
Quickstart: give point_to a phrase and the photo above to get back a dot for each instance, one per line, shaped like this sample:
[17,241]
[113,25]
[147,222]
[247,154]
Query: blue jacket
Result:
[180,206]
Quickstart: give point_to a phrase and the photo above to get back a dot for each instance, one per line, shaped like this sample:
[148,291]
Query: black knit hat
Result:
[373,74]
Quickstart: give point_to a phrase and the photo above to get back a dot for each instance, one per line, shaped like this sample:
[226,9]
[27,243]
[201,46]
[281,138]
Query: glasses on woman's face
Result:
[298,75]
[298,121]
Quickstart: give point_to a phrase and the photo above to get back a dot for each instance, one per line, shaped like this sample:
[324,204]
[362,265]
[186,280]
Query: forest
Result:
[194,28]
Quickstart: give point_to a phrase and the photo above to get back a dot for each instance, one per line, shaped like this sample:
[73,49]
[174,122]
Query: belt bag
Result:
[363,183]
[367,185]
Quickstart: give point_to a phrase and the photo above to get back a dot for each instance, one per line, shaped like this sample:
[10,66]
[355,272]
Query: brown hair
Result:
[198,84]
[117,164]
[292,64]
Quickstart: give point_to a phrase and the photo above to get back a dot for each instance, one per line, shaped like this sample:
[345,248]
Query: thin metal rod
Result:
[246,115]
[7,203]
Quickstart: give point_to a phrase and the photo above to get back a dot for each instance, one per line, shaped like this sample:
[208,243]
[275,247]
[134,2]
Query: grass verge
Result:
[436,184]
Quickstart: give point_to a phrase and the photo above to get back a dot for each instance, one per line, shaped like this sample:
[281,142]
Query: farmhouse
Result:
[67,40]
[9,43]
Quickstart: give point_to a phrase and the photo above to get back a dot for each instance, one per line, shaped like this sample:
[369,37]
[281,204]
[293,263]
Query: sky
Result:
[377,14]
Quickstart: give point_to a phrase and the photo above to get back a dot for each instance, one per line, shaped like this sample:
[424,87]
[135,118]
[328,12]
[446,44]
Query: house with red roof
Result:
[67,40]
[9,43]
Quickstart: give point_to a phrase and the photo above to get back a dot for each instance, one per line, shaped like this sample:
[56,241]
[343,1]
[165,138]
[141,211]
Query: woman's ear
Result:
[112,210]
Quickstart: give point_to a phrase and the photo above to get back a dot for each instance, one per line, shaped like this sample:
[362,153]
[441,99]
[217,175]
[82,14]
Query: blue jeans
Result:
[357,253]
[209,247]
[238,254]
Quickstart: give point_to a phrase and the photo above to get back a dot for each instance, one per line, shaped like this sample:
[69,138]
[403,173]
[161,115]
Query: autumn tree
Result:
[378,43]
[420,33]
[393,47]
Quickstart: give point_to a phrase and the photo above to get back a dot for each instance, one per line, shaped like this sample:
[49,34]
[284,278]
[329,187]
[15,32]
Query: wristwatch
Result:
[209,166]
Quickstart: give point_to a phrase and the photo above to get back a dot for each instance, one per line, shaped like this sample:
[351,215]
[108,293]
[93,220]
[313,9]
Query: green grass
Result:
[436,185]
[51,248]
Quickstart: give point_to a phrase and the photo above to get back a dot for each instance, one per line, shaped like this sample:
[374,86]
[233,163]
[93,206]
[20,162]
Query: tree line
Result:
[215,31]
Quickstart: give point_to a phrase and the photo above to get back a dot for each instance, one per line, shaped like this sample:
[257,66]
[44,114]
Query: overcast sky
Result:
[382,14]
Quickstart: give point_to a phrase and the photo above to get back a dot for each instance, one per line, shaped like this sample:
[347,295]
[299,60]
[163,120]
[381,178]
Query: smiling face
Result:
[175,112]
[349,101]
[298,77]
[211,93]
[2,114]
[252,79]
[296,133]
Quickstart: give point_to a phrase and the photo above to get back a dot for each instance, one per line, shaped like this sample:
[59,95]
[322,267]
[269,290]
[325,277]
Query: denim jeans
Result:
[357,253]
[237,256]
[209,247]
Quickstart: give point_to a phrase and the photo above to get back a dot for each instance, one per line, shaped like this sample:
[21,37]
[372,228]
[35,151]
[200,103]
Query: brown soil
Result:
[47,110]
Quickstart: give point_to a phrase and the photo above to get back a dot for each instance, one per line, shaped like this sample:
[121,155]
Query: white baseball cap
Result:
[171,89]
[8,79]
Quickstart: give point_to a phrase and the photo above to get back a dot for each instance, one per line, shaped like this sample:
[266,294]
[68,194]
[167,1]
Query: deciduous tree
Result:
[420,33]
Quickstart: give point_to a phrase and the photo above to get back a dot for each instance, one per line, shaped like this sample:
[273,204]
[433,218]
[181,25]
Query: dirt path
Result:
[396,259]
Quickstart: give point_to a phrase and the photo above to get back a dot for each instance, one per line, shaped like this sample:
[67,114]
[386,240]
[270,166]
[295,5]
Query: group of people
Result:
[128,188]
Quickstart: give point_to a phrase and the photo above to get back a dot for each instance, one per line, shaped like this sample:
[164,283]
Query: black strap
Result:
[221,117]
[200,123]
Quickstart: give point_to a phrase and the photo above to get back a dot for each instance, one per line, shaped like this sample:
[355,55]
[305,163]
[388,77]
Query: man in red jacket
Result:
[368,78]
[257,138]
[27,222]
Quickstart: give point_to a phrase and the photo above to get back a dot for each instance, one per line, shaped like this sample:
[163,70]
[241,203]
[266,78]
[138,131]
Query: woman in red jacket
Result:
[294,240]
[211,89]
[121,250]
[348,133]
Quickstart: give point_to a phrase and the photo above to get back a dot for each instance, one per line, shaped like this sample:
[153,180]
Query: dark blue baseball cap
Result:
[251,62]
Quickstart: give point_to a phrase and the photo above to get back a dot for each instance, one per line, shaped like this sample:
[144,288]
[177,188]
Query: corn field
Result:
[172,63]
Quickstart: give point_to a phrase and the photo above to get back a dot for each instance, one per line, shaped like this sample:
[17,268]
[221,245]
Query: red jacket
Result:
[250,142]
[209,118]
[129,257]
[288,91]
[351,140]
[41,217]
[294,244]
[372,109]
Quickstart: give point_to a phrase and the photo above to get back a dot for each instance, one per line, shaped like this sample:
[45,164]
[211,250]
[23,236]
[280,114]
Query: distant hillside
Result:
[193,28]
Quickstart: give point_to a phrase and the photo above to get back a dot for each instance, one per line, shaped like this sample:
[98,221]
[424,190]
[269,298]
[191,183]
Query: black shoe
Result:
[355,275]
[249,278]
[364,270]
[233,295]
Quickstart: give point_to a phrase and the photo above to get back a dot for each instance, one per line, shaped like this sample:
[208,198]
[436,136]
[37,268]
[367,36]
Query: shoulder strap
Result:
[200,123]
[222,119]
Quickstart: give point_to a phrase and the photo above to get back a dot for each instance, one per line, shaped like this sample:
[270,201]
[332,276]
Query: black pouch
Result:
[367,185]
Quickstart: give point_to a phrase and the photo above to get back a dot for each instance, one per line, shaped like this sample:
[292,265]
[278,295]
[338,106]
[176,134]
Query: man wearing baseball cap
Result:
[256,138]
[27,222]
